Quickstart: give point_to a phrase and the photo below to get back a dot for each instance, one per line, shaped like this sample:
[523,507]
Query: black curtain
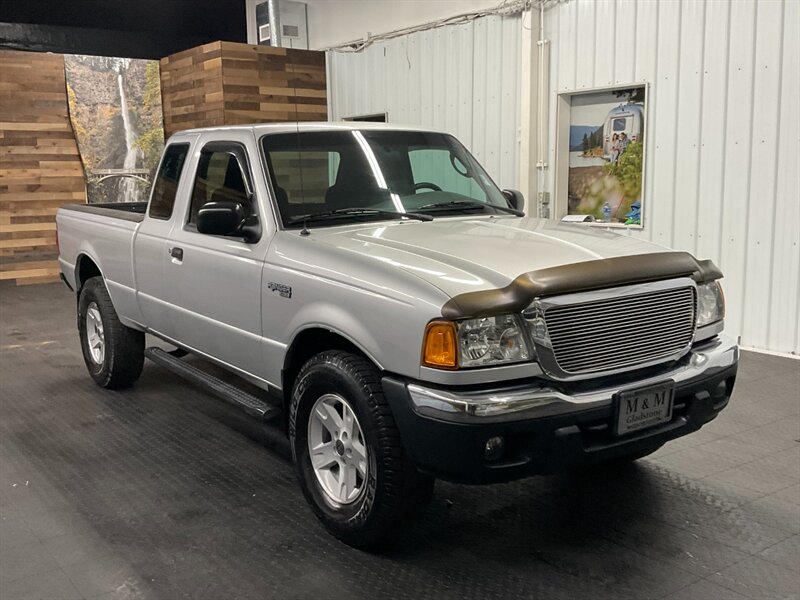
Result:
[131,29]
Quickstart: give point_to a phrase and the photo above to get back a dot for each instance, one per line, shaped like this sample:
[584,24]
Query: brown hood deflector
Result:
[579,277]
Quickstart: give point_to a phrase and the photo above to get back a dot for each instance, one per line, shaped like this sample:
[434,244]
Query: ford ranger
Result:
[403,317]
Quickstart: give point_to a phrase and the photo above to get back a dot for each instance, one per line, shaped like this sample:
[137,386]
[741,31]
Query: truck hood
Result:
[459,255]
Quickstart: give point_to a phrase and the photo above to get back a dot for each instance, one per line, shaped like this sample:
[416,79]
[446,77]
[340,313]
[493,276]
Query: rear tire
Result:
[113,353]
[355,441]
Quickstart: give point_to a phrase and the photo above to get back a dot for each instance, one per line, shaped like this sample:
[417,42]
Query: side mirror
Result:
[221,218]
[515,199]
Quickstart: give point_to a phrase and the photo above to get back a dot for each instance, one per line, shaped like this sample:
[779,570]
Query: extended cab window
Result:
[166,184]
[220,178]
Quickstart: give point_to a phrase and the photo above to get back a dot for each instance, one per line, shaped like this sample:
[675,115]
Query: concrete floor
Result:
[162,492]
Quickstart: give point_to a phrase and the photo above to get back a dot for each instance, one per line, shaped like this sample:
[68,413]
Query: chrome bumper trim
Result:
[487,375]
[533,401]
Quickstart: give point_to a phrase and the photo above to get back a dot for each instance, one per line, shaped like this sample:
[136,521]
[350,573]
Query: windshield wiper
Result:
[460,204]
[356,212]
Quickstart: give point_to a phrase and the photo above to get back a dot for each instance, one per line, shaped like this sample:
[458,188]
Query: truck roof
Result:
[291,127]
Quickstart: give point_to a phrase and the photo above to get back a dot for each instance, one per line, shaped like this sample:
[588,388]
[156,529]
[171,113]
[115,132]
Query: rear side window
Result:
[620,124]
[166,184]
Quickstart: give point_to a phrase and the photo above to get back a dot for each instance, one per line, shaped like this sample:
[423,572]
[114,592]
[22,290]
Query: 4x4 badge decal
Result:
[284,290]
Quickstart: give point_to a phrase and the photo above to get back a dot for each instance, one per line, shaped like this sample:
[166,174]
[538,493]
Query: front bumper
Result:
[547,426]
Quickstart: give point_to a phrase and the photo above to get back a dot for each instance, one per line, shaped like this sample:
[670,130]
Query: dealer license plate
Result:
[645,407]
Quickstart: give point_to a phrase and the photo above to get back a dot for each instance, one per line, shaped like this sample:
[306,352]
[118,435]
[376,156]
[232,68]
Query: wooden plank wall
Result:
[262,84]
[40,168]
[191,88]
[225,83]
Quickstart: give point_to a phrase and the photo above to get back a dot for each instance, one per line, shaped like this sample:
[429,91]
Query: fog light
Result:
[698,359]
[494,448]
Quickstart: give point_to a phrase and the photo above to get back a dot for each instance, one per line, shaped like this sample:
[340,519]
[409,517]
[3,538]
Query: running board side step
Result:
[253,406]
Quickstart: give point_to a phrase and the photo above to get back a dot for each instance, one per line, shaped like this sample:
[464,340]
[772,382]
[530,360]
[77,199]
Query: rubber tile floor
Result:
[162,492]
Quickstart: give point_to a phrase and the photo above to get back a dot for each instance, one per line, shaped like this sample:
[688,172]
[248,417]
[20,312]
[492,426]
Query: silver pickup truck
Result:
[403,317]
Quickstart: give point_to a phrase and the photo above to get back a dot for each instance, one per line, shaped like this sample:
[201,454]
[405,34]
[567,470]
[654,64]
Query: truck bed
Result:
[104,233]
[129,211]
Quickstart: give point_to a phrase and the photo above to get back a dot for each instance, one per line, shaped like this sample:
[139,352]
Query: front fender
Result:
[337,320]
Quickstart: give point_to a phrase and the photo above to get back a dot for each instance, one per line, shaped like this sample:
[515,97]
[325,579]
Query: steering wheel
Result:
[427,184]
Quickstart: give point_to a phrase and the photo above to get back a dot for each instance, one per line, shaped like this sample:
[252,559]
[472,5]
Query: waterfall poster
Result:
[115,110]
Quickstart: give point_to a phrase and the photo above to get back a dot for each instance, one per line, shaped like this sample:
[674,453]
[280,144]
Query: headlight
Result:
[710,303]
[491,341]
[475,342]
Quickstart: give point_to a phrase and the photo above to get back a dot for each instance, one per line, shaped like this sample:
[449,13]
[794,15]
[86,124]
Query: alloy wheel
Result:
[337,449]
[94,334]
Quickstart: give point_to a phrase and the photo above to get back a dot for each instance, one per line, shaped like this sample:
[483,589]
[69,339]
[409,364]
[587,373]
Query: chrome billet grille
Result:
[621,332]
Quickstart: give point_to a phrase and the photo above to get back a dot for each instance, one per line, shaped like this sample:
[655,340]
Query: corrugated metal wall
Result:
[723,143]
[462,79]
[723,137]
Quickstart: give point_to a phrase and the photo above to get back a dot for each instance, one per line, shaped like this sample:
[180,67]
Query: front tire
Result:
[113,353]
[347,451]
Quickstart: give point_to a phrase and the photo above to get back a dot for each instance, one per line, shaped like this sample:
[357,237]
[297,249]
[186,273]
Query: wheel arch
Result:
[311,341]
[86,267]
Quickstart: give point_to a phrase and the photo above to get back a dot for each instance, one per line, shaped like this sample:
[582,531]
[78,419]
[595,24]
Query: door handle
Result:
[176,253]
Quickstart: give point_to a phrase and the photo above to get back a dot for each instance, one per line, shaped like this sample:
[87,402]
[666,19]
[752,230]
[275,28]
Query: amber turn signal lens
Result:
[439,347]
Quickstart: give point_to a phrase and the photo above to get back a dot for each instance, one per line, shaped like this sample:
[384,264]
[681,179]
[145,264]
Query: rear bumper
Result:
[66,283]
[67,273]
[547,429]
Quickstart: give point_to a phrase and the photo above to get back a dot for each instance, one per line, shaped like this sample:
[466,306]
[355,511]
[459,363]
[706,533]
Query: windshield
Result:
[400,171]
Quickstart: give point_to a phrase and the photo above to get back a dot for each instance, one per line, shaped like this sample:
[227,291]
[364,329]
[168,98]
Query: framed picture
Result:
[600,155]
